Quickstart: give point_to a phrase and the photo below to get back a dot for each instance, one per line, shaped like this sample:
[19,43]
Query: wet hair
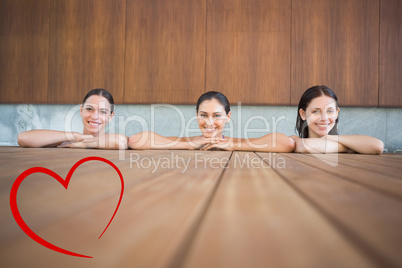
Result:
[214,95]
[310,94]
[101,92]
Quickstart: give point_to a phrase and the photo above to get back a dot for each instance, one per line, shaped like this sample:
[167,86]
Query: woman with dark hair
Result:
[97,109]
[317,126]
[213,112]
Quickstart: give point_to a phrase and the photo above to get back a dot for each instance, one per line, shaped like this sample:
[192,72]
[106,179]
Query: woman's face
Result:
[95,113]
[212,118]
[320,115]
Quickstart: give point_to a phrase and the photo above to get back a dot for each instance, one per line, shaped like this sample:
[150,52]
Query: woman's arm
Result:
[318,146]
[359,143]
[48,138]
[150,140]
[339,144]
[105,141]
[273,142]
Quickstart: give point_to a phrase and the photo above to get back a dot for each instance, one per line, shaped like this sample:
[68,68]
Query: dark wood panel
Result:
[24,48]
[245,4]
[87,41]
[248,50]
[390,84]
[165,51]
[336,43]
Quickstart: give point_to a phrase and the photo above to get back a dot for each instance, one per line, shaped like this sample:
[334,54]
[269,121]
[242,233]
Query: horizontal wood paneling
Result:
[336,43]
[390,85]
[86,49]
[24,49]
[165,51]
[248,50]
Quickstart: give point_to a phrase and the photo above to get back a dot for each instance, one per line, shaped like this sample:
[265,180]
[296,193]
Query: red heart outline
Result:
[26,173]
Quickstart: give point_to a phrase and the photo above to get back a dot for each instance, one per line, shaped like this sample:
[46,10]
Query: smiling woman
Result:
[213,112]
[97,109]
[317,126]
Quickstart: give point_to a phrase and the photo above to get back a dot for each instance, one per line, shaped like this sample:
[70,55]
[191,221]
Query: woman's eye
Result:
[331,111]
[89,109]
[316,112]
[218,115]
[103,112]
[203,115]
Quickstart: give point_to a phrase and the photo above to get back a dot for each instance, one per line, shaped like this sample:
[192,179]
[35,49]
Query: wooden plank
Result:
[24,51]
[165,51]
[84,180]
[390,53]
[391,171]
[335,43]
[86,49]
[369,219]
[392,156]
[387,185]
[389,85]
[154,218]
[248,50]
[15,160]
[393,162]
[257,220]
[59,161]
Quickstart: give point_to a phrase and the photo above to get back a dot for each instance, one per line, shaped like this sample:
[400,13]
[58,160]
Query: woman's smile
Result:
[212,118]
[95,115]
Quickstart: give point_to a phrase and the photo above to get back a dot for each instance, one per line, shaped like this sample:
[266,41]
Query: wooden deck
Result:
[204,209]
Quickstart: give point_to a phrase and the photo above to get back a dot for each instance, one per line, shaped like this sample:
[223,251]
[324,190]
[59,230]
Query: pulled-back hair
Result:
[310,94]
[214,95]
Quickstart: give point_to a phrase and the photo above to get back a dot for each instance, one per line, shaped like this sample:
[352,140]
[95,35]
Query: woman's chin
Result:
[213,134]
[93,132]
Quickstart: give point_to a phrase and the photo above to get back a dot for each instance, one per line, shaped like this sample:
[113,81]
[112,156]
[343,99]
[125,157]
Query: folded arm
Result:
[105,141]
[273,142]
[48,138]
[359,143]
[339,144]
[150,140]
[52,138]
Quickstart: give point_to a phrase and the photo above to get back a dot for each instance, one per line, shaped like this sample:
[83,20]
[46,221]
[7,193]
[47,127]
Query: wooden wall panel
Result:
[165,51]
[248,50]
[336,43]
[390,85]
[254,51]
[24,47]
[87,42]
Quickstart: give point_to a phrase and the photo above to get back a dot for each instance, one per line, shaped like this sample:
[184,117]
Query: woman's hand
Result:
[359,143]
[77,137]
[216,145]
[78,140]
[319,145]
[200,142]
